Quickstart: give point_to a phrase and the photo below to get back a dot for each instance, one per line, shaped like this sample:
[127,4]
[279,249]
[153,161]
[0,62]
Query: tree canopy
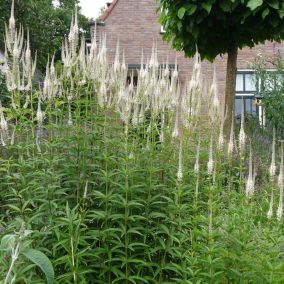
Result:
[215,26]
[47,23]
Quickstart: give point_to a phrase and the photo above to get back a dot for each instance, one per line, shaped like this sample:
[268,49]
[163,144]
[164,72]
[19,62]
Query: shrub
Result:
[271,88]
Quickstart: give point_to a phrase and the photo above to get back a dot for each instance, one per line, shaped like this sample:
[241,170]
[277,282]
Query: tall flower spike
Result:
[210,164]
[39,114]
[70,121]
[175,73]
[280,184]
[76,27]
[197,166]
[175,133]
[214,91]
[231,141]
[116,64]
[162,132]
[123,64]
[221,139]
[281,177]
[28,50]
[180,164]
[3,123]
[272,168]
[2,138]
[71,32]
[12,142]
[270,211]
[250,183]
[12,22]
[242,135]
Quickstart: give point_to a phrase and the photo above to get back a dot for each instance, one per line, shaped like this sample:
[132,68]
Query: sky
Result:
[91,8]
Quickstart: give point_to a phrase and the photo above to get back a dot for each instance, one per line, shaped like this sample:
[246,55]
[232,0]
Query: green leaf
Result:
[207,7]
[265,13]
[274,22]
[273,3]
[191,10]
[226,5]
[253,4]
[181,12]
[7,242]
[42,261]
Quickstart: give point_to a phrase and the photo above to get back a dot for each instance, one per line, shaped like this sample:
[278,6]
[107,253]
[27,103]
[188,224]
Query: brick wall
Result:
[135,24]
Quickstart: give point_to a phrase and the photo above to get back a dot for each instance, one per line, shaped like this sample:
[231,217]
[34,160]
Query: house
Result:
[135,24]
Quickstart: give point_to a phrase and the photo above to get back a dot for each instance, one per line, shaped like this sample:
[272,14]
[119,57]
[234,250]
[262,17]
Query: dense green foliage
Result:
[214,27]
[270,82]
[103,182]
[46,23]
[106,207]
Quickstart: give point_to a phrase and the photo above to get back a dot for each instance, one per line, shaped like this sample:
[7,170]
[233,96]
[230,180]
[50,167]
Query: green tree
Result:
[270,82]
[217,27]
[47,24]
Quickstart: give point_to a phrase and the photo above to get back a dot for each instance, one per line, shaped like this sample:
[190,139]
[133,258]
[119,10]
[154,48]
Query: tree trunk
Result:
[230,87]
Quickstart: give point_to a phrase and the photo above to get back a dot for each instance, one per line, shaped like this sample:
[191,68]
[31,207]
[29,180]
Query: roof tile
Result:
[108,10]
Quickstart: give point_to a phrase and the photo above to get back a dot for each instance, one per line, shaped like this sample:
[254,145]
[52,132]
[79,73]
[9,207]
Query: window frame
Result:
[251,95]
[163,29]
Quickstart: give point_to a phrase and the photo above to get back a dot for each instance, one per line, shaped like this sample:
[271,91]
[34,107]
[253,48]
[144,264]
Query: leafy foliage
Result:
[271,87]
[101,207]
[42,261]
[46,23]
[214,27]
[100,184]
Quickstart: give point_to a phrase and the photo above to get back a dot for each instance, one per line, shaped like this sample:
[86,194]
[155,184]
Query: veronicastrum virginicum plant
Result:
[125,183]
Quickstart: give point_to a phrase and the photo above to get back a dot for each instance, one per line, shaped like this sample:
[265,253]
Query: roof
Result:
[108,10]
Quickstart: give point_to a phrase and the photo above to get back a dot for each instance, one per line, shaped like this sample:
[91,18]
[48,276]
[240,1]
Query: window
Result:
[133,71]
[247,91]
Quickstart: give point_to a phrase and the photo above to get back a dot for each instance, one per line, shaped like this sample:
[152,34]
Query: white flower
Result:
[279,212]
[242,135]
[196,166]
[82,82]
[210,164]
[221,141]
[231,141]
[175,133]
[179,175]
[272,168]
[280,178]
[269,213]
[250,183]
[242,138]
[230,147]
[180,165]
[249,186]
[39,114]
[3,123]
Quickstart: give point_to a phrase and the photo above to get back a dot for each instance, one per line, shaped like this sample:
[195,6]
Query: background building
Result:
[135,24]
